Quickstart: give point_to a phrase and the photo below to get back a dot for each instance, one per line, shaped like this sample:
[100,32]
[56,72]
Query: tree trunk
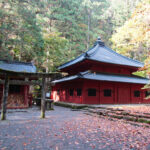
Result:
[88,32]
[89,11]
[5,96]
[43,99]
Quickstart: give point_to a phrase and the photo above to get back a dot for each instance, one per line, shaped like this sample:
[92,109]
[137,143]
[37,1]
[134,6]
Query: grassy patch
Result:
[144,121]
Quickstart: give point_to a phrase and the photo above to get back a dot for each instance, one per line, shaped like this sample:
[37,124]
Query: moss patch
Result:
[72,106]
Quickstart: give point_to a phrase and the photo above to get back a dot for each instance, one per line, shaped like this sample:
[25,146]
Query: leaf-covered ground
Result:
[136,108]
[64,129]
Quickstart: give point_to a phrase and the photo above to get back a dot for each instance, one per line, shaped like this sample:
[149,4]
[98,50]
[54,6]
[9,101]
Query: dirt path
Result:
[64,129]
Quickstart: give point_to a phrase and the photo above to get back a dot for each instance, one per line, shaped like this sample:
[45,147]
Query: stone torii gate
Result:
[11,74]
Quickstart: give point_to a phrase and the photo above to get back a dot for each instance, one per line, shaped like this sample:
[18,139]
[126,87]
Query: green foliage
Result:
[68,19]
[140,73]
[115,16]
[52,32]
[55,51]
[21,36]
[133,38]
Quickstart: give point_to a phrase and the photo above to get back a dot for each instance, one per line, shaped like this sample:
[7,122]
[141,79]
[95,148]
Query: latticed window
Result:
[136,93]
[58,92]
[71,92]
[14,88]
[79,92]
[107,92]
[91,92]
[147,93]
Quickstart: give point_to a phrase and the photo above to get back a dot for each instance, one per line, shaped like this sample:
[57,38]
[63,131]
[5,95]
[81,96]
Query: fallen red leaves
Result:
[75,130]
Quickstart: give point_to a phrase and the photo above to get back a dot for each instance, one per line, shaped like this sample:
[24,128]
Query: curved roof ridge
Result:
[16,62]
[70,61]
[123,55]
[83,54]
[100,52]
[94,51]
[83,73]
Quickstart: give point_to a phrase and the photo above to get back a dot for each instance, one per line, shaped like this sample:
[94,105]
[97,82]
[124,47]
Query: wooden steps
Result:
[121,114]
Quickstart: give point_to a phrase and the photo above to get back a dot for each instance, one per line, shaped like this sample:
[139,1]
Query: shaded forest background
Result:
[51,32]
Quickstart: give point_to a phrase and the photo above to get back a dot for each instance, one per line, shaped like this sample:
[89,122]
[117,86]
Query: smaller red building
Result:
[19,96]
[100,76]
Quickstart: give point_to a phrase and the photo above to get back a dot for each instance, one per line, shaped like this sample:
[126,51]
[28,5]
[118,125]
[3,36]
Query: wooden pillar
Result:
[43,98]
[25,95]
[5,96]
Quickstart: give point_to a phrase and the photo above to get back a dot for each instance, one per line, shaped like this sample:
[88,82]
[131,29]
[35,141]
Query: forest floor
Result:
[64,129]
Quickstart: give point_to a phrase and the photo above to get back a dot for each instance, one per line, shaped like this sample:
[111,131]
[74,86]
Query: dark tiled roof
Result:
[17,66]
[105,77]
[103,54]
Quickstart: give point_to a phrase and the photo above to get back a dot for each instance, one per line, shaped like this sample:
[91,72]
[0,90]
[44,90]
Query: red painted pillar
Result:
[116,93]
[84,100]
[142,95]
[130,94]
[1,93]
[99,91]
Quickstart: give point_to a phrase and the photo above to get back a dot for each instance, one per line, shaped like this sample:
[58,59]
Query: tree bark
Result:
[43,98]
[88,32]
[5,96]
[89,25]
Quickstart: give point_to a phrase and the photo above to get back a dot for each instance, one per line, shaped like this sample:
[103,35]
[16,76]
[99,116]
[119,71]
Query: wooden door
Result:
[123,95]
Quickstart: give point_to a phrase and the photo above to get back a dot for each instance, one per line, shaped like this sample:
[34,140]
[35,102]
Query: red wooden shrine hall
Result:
[100,76]
[19,96]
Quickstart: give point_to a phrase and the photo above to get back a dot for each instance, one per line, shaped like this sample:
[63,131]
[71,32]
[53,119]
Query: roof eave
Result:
[61,67]
[116,63]
[88,58]
[117,81]
[83,75]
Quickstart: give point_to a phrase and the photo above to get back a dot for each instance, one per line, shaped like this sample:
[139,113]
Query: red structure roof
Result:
[104,77]
[102,53]
[17,66]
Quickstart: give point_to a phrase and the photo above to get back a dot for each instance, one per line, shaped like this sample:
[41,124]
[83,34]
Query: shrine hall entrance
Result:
[123,95]
[106,93]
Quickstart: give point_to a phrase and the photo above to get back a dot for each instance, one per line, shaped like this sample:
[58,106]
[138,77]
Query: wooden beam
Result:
[22,82]
[4,100]
[43,98]
[29,75]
